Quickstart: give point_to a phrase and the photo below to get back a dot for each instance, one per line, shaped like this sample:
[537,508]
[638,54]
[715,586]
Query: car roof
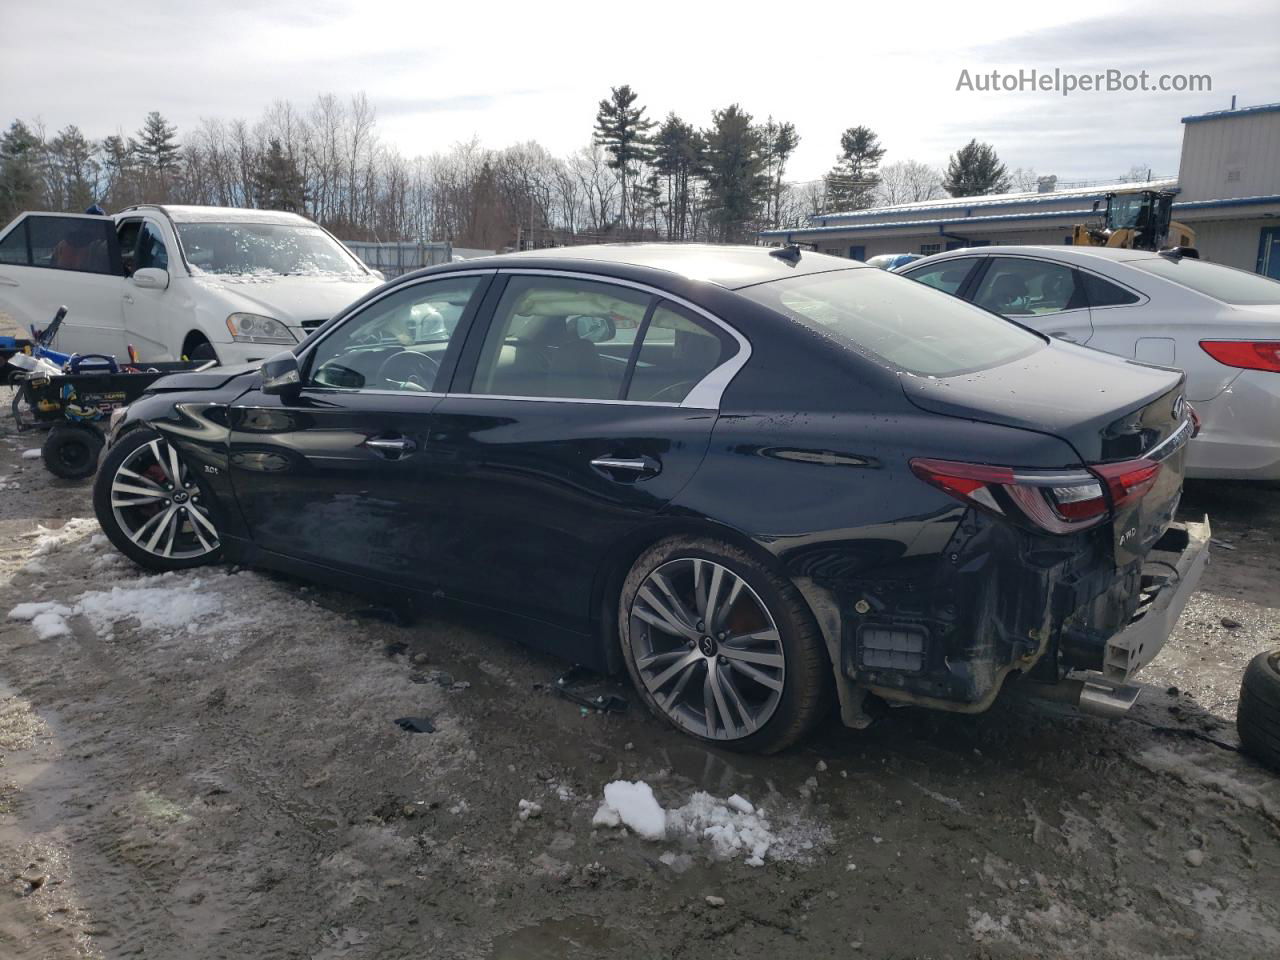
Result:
[183,213]
[1082,256]
[732,267]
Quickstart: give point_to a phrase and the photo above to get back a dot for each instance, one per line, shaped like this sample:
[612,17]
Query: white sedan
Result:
[1219,324]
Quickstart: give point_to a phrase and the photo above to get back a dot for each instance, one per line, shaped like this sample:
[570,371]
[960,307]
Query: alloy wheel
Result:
[158,504]
[707,649]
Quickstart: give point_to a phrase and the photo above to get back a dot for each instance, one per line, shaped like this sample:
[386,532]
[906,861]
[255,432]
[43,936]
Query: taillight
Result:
[1246,354]
[1056,501]
[1128,481]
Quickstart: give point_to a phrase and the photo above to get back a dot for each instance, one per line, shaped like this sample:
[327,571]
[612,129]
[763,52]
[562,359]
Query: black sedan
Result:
[762,481]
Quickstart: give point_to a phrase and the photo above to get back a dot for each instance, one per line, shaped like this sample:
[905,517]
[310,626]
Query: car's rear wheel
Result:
[722,647]
[151,505]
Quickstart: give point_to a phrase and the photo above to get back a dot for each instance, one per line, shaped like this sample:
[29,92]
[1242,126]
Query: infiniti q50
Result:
[761,482]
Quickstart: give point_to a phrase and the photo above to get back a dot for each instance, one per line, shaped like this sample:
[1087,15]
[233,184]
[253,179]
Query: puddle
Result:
[553,939]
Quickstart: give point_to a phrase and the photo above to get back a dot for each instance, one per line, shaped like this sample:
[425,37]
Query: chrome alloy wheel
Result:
[707,649]
[157,504]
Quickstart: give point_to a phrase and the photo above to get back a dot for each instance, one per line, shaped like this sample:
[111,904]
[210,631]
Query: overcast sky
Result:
[439,72]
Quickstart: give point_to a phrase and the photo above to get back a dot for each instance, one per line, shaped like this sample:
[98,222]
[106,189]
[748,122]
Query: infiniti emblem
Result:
[180,497]
[1178,406]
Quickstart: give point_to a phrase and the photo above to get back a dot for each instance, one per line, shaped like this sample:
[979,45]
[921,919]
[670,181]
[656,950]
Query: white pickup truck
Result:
[177,281]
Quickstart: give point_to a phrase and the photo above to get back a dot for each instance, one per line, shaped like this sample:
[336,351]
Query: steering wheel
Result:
[408,368]
[679,390]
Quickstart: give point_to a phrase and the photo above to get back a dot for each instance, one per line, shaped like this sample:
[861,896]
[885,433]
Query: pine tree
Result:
[277,181]
[622,129]
[74,168]
[734,171]
[21,182]
[851,183]
[156,145]
[975,170]
[781,141]
[677,154]
[117,172]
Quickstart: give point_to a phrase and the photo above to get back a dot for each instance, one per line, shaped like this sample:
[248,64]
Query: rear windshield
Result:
[904,324]
[1214,280]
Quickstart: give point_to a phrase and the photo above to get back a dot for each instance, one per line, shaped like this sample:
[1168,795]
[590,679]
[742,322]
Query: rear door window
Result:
[1103,293]
[13,246]
[560,337]
[80,244]
[948,276]
[907,326]
[1024,287]
[677,351]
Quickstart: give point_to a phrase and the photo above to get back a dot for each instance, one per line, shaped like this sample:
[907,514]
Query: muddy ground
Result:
[210,769]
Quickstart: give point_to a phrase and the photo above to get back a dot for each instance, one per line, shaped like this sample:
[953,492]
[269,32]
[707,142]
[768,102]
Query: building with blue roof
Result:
[1227,190]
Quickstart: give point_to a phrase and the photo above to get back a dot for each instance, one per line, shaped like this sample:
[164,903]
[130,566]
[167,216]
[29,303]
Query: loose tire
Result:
[1258,714]
[721,647]
[153,507]
[71,451]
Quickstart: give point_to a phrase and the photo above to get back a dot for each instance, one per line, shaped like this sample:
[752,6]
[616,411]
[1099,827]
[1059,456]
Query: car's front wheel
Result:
[151,506]
[722,647]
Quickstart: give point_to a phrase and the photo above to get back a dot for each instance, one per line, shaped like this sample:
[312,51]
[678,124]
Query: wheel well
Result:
[194,339]
[623,555]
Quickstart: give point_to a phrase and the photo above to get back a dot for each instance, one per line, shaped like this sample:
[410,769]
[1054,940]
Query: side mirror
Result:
[281,375]
[151,278]
[595,329]
[1096,204]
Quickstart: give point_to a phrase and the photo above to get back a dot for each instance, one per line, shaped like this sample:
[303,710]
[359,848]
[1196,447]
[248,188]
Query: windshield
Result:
[263,249]
[907,325]
[1214,280]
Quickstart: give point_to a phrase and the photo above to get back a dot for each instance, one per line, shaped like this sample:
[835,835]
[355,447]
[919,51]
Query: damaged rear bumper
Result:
[1107,692]
[1002,608]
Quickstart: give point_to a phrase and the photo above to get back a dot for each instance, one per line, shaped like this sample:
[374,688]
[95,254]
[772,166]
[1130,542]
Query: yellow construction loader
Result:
[1139,220]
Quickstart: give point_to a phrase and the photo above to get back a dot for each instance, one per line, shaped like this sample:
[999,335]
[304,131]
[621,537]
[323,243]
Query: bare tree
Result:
[908,181]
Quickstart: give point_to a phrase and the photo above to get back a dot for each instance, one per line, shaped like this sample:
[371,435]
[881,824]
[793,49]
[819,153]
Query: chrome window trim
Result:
[706,393]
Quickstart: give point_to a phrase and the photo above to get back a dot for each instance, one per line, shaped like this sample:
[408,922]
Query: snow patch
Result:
[48,619]
[634,805]
[33,454]
[49,540]
[733,828]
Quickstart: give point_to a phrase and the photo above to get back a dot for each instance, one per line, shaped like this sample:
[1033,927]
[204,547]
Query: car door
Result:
[148,311]
[584,407]
[1043,294]
[52,260]
[342,475]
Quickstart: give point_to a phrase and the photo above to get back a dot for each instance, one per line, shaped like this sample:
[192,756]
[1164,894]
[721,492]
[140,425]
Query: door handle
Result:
[1063,335]
[397,445]
[644,465]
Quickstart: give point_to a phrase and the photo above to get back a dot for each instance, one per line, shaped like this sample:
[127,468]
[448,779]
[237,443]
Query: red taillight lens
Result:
[1129,480]
[1056,502]
[1246,354]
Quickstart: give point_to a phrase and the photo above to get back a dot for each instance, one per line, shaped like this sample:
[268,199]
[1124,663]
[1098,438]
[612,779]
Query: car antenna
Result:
[790,253]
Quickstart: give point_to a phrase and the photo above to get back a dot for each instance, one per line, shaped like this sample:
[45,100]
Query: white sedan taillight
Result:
[1055,501]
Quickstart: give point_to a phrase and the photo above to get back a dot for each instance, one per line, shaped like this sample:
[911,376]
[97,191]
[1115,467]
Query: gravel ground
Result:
[206,765]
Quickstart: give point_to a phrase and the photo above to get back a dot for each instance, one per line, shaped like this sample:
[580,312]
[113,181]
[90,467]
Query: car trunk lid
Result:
[1127,421]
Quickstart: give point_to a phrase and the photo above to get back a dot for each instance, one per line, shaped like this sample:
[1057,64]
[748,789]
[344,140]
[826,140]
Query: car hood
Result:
[1106,407]
[290,299]
[211,379]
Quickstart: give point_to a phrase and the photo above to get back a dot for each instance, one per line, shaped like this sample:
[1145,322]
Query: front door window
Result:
[396,343]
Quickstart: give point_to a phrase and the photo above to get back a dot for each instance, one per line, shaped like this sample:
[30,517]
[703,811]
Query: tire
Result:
[1258,714]
[201,351]
[155,522]
[775,682]
[71,452]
